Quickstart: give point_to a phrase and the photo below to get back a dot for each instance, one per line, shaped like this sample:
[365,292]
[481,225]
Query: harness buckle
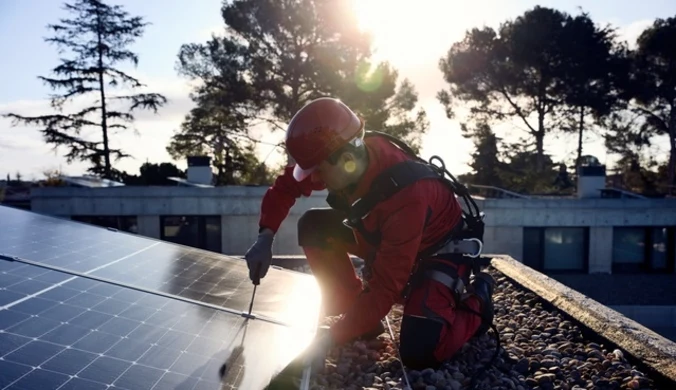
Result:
[471,247]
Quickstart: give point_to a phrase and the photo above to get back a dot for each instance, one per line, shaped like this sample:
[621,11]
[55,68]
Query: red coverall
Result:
[410,221]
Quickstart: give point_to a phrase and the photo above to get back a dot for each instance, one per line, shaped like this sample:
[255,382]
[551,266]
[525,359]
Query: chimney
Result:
[591,178]
[199,169]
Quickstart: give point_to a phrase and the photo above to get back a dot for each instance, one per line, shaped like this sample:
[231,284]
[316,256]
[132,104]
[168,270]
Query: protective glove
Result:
[259,255]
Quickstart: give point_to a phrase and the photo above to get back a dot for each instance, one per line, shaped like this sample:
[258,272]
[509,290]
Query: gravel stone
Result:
[540,350]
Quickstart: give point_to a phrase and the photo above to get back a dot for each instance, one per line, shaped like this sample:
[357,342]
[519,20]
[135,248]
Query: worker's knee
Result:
[315,226]
[418,341]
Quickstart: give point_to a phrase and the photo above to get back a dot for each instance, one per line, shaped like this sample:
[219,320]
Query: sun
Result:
[408,33]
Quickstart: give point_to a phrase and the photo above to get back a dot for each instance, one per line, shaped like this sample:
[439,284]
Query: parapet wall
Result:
[239,208]
[648,348]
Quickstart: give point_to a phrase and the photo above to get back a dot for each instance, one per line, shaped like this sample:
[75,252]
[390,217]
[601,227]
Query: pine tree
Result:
[97,39]
[277,55]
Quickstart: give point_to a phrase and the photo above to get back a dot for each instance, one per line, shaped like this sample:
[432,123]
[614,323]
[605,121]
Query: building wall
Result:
[239,209]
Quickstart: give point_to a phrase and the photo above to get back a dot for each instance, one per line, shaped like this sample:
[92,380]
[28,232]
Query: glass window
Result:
[213,233]
[658,255]
[532,247]
[564,249]
[124,223]
[181,230]
[202,232]
[628,249]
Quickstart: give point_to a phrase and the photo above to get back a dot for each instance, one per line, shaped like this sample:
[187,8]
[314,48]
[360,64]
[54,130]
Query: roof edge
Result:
[653,350]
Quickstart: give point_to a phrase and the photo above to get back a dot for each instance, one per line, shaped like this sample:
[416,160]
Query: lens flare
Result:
[368,78]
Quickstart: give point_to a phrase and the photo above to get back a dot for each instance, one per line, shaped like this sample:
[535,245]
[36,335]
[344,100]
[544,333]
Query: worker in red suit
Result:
[326,140]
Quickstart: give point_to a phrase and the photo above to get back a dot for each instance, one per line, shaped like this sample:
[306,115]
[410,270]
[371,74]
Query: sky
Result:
[412,35]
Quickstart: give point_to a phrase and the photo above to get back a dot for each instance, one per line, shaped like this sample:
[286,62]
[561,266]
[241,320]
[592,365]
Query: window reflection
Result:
[123,223]
[557,249]
[564,248]
[659,248]
[628,249]
[202,232]
[641,249]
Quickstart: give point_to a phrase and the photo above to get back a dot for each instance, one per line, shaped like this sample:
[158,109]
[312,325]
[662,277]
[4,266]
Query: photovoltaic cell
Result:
[60,330]
[150,264]
[64,243]
[85,332]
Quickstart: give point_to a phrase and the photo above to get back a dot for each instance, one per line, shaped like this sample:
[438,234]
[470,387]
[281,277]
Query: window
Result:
[564,249]
[556,249]
[202,232]
[643,249]
[124,223]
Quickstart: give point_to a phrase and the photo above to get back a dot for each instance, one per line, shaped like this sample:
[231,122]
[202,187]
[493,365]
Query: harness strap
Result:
[454,283]
[388,183]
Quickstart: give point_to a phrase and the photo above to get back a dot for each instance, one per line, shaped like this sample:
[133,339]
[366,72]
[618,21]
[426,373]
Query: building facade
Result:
[555,235]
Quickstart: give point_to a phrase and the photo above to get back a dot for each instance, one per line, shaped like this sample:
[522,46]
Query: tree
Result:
[519,176]
[52,178]
[655,84]
[486,166]
[630,137]
[277,55]
[593,75]
[212,131]
[97,39]
[516,72]
[205,132]
[151,174]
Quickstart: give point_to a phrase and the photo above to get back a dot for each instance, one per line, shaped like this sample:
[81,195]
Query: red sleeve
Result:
[281,196]
[401,237]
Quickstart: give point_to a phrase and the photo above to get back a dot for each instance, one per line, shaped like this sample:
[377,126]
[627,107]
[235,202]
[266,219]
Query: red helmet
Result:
[317,130]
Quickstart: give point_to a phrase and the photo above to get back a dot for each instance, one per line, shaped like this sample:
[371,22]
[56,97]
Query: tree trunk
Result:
[579,140]
[672,155]
[104,124]
[539,143]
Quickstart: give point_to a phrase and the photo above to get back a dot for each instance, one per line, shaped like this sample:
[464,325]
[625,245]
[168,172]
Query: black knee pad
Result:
[316,225]
[418,339]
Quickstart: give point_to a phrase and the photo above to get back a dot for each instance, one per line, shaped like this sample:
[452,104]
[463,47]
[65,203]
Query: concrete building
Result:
[588,235]
[614,246]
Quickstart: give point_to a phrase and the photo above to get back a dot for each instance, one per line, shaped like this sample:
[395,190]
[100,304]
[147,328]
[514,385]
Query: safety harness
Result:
[461,245]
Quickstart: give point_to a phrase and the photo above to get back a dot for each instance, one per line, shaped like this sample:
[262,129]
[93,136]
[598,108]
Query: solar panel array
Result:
[138,313]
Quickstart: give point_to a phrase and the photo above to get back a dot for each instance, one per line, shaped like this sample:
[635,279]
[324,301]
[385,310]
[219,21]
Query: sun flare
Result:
[407,32]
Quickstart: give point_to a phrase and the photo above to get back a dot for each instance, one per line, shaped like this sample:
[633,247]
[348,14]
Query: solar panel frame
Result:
[159,257]
[61,304]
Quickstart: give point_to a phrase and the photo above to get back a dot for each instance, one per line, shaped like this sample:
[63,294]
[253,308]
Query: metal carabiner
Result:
[481,247]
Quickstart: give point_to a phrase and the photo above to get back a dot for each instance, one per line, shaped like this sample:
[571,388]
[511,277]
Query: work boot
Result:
[483,285]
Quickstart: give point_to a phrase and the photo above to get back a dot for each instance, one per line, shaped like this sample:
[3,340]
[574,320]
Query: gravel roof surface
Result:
[540,350]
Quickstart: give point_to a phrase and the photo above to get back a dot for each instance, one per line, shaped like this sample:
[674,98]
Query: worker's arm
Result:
[401,237]
[281,196]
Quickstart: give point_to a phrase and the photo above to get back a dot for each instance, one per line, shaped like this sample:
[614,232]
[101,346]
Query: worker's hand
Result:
[315,354]
[259,256]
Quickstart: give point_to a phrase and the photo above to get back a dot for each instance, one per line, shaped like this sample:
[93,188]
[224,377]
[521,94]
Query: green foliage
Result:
[213,132]
[486,164]
[534,69]
[96,39]
[654,89]
[277,55]
[153,175]
[511,169]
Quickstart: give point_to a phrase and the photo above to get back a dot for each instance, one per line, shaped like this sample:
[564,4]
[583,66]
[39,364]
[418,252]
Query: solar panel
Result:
[136,261]
[99,323]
